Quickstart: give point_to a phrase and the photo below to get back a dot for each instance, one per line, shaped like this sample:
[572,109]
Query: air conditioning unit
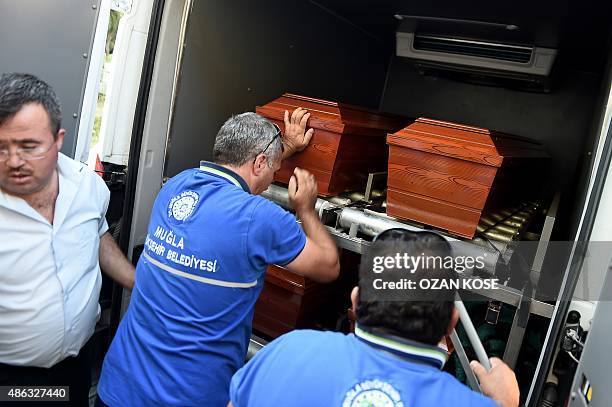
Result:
[523,65]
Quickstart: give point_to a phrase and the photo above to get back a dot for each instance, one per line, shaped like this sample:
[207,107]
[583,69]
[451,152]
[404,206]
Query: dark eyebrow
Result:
[28,141]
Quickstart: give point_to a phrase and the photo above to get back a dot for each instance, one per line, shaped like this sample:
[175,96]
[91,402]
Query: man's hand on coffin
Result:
[302,191]
[499,383]
[296,138]
[319,259]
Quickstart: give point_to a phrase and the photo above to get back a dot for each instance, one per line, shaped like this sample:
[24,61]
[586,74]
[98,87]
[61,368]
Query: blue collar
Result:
[225,173]
[404,348]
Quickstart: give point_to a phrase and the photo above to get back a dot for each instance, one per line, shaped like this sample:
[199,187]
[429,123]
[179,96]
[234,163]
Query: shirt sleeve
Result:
[274,236]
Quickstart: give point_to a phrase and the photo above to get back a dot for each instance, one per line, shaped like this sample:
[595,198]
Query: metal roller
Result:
[371,225]
[357,196]
[506,229]
[498,235]
[497,217]
[339,201]
[486,221]
[519,218]
[513,223]
[280,195]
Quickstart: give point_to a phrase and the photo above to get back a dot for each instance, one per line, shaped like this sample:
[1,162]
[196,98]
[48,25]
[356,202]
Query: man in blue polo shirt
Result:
[209,241]
[392,360]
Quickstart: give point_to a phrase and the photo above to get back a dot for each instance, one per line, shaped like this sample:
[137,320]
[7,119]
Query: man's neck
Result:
[43,201]
[244,173]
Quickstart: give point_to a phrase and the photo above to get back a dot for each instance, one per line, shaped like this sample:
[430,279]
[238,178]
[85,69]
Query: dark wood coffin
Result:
[288,301]
[446,174]
[348,143]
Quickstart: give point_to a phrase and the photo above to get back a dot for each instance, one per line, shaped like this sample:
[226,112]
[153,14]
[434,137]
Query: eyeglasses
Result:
[26,153]
[277,135]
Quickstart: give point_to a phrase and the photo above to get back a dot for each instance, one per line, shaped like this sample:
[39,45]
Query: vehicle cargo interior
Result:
[488,113]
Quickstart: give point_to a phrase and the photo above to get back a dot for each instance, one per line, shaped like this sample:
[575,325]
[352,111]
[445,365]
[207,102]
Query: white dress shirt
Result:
[49,273]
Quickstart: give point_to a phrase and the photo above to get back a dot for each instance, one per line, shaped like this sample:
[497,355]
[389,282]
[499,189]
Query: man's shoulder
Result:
[307,339]
[179,178]
[177,185]
[265,205]
[71,166]
[314,335]
[462,395]
[76,171]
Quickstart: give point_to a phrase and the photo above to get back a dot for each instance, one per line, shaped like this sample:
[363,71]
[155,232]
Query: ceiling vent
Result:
[476,57]
[471,48]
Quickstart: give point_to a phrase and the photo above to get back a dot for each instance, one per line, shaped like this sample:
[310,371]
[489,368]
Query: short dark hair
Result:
[421,321]
[20,89]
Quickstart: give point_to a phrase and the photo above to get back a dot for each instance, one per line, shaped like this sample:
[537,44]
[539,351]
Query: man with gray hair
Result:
[55,240]
[210,239]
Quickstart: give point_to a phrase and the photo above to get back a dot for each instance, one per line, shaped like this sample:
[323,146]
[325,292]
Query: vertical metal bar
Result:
[135,146]
[465,363]
[465,319]
[549,223]
[517,332]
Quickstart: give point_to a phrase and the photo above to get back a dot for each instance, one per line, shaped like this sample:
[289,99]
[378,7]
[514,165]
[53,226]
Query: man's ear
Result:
[260,164]
[354,298]
[453,321]
[59,141]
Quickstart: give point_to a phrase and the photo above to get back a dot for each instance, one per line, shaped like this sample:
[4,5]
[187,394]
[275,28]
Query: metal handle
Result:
[481,354]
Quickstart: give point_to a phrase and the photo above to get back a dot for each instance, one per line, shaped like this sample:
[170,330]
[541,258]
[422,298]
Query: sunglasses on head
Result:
[277,135]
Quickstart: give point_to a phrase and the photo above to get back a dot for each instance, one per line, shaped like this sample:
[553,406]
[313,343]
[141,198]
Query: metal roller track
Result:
[371,225]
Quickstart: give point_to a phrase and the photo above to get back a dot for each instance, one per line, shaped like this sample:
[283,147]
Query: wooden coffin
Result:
[446,174]
[348,142]
[288,301]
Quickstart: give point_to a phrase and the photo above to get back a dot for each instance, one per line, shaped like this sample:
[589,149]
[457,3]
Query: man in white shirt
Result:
[54,241]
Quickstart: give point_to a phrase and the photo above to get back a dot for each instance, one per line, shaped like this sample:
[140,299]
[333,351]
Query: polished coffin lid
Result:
[442,173]
[464,142]
[337,163]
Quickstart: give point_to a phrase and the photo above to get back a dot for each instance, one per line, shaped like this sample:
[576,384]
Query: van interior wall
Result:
[241,54]
[561,120]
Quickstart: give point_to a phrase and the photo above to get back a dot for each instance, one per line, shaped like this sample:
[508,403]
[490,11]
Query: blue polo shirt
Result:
[311,368]
[188,325]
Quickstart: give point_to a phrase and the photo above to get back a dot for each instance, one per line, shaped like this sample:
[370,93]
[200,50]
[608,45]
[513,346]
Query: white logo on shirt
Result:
[372,393]
[181,206]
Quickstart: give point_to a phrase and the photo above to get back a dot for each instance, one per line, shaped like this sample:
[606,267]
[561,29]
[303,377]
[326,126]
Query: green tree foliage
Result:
[113,25]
